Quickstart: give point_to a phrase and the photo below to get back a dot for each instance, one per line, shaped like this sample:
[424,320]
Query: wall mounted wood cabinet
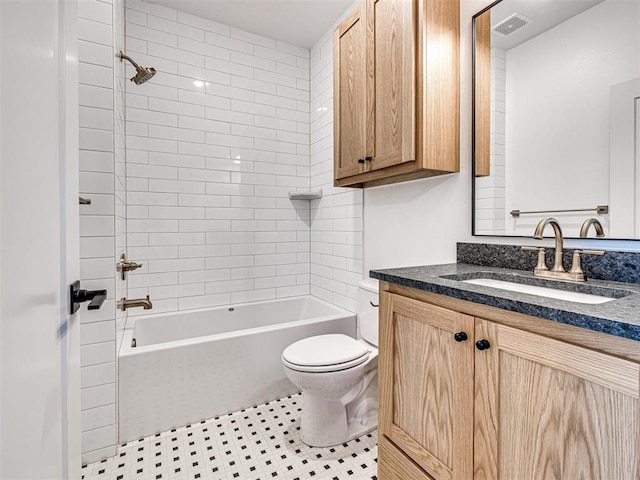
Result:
[396,92]
[464,397]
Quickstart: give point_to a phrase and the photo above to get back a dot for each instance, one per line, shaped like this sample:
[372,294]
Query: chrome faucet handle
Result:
[542,262]
[576,271]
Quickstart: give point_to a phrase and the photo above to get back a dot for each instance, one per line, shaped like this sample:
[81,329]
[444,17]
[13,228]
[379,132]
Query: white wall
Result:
[215,142]
[419,222]
[558,161]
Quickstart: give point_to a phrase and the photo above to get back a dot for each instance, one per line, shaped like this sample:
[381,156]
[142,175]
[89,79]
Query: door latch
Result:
[77,296]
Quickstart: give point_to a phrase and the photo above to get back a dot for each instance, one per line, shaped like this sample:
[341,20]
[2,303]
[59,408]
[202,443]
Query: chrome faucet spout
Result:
[584,230]
[557,231]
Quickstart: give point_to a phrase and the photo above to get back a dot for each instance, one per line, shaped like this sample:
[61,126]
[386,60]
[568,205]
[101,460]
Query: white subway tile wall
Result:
[231,123]
[100,24]
[336,226]
[490,190]
[215,142]
[120,79]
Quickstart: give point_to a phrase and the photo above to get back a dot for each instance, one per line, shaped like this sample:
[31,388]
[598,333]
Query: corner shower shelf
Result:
[310,195]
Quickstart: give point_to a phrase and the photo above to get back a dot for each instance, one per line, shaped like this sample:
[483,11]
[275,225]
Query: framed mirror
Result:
[556,117]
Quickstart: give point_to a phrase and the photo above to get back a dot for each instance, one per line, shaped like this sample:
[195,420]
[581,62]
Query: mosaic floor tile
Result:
[258,443]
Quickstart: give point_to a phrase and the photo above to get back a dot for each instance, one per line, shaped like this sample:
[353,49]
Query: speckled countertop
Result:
[620,317]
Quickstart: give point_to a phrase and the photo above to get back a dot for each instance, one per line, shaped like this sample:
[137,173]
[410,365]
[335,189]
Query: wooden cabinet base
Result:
[393,464]
[464,397]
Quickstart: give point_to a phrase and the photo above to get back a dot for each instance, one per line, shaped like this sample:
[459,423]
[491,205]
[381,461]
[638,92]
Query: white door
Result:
[624,166]
[39,347]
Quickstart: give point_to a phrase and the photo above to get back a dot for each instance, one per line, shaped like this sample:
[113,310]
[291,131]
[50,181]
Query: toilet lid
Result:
[326,368]
[325,350]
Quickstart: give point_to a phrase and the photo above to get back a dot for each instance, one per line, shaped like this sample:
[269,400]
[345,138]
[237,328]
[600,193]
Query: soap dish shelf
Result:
[310,195]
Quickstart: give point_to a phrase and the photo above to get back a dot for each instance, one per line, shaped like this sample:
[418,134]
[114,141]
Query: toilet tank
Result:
[368,310]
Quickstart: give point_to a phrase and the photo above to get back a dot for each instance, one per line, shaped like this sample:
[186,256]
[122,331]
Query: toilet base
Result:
[325,423]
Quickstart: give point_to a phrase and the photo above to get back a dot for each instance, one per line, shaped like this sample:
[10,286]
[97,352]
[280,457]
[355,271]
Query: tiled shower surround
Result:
[336,219]
[231,123]
[215,142]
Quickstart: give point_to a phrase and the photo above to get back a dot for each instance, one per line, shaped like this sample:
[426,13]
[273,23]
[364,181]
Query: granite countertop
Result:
[620,317]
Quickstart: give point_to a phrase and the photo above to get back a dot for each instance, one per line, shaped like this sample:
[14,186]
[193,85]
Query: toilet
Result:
[338,376]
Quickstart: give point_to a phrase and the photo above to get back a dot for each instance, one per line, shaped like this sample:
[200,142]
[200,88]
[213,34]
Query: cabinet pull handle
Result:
[368,159]
[361,160]
[460,337]
[482,344]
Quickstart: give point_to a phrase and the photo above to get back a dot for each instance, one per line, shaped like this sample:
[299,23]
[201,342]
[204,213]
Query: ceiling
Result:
[543,14]
[298,22]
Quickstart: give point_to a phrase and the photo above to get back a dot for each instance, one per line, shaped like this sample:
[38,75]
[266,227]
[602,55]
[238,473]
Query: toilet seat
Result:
[325,353]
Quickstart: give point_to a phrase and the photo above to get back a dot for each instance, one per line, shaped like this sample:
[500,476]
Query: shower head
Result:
[142,73]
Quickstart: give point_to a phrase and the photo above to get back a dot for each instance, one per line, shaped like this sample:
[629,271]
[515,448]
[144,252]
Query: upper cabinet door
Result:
[391,96]
[349,98]
[396,92]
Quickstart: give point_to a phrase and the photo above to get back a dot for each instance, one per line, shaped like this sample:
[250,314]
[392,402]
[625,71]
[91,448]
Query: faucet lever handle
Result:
[123,266]
[542,261]
[576,263]
[590,252]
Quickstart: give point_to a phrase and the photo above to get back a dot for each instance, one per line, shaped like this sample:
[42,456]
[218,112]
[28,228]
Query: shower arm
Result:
[127,57]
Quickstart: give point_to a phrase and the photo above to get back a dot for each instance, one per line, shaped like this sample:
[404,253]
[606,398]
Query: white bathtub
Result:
[189,366]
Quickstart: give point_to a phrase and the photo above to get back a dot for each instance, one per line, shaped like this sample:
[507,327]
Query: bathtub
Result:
[189,366]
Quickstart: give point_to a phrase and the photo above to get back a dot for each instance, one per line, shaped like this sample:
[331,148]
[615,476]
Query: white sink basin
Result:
[540,291]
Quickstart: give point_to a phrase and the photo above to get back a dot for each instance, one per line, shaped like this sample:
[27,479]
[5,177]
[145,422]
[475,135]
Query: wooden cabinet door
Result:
[395,465]
[349,95]
[550,410]
[391,79]
[426,385]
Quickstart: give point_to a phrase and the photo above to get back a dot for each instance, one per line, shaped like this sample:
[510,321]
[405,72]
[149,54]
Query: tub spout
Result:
[145,303]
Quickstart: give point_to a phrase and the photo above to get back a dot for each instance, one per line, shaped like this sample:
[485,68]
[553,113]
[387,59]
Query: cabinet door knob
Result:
[361,160]
[368,159]
[460,337]
[482,344]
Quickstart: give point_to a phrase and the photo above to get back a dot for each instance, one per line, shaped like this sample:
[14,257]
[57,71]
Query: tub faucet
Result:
[558,268]
[145,303]
[584,230]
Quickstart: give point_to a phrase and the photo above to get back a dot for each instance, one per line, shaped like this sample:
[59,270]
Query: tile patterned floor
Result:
[258,443]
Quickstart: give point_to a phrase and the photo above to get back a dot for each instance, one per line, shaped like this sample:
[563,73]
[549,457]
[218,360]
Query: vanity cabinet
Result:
[396,92]
[470,397]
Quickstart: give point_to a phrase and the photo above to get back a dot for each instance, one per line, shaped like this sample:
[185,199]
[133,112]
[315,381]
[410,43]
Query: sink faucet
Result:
[575,274]
[584,230]
[145,303]
[557,231]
